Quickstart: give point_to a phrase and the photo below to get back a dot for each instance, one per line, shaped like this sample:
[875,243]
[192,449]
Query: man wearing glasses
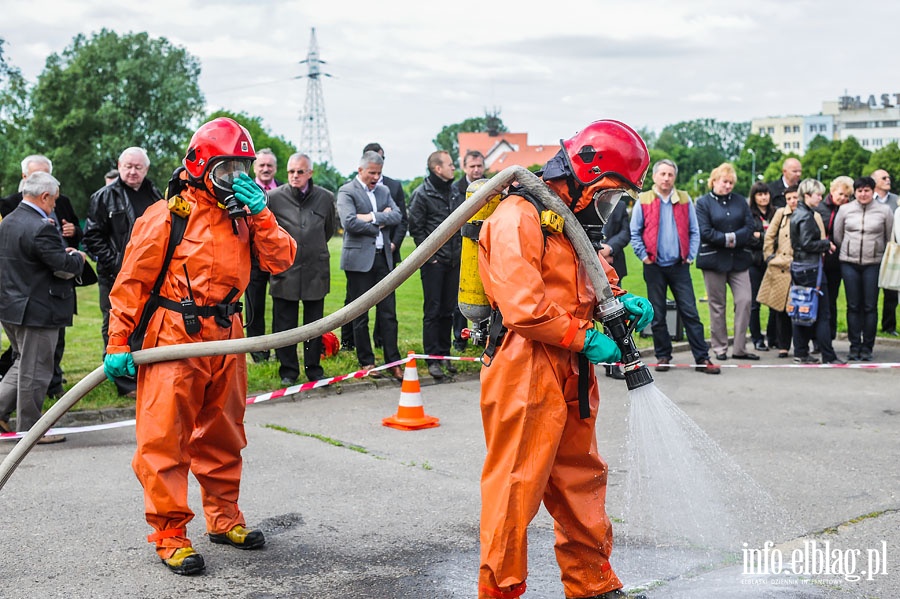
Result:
[883,195]
[107,229]
[307,212]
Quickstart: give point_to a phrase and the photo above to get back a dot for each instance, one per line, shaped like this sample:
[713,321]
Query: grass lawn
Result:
[84,346]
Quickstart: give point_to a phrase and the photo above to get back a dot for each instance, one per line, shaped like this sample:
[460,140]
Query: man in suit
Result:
[264,168]
[307,212]
[791,171]
[396,233]
[67,222]
[37,297]
[367,212]
[884,195]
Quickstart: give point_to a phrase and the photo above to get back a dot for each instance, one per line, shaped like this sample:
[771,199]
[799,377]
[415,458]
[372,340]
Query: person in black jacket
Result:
[37,297]
[762,211]
[810,244]
[69,227]
[610,239]
[107,229]
[840,192]
[726,228]
[429,205]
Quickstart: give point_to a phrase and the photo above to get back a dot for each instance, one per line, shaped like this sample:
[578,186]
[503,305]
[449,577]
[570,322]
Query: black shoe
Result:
[434,369]
[55,392]
[892,333]
[836,361]
[460,346]
[615,372]
[259,357]
[348,347]
[240,537]
[760,345]
[853,356]
[865,356]
[450,366]
[722,356]
[745,357]
[287,382]
[662,364]
[185,561]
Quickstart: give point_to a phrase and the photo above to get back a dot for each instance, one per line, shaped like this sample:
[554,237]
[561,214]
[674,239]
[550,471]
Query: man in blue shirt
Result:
[666,237]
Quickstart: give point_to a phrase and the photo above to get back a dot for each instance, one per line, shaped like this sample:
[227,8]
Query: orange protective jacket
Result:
[538,449]
[190,412]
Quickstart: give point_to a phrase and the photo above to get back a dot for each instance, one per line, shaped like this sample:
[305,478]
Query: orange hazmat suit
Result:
[190,412]
[538,449]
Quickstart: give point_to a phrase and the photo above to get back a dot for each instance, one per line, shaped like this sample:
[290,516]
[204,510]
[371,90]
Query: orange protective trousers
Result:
[538,449]
[190,412]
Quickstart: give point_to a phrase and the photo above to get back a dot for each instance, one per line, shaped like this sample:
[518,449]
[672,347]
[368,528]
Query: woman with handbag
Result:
[726,228]
[776,283]
[810,244]
[862,229]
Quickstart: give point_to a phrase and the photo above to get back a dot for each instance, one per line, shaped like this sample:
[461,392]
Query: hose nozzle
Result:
[614,317]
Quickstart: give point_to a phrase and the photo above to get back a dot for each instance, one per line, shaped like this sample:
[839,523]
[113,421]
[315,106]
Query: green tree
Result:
[447,138]
[701,145]
[261,137]
[109,92]
[849,159]
[887,158]
[14,115]
[750,165]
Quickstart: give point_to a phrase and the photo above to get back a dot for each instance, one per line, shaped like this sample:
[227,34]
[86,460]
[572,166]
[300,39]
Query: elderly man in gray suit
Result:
[367,213]
[37,297]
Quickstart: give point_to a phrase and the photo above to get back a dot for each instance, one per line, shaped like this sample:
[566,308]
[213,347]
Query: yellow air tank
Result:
[473,303]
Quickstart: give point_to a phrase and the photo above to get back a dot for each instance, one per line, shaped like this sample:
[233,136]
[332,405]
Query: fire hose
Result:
[610,310]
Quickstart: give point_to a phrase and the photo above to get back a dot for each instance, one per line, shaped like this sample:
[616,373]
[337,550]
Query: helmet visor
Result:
[223,173]
[605,201]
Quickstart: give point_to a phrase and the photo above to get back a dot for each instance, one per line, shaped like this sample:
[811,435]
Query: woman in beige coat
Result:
[776,283]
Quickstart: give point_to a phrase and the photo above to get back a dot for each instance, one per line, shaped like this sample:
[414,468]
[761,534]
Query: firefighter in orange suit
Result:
[539,395]
[190,412]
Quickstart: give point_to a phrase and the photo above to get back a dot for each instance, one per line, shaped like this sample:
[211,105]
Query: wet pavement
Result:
[353,509]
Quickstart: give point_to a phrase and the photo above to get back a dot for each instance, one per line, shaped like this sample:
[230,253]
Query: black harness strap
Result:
[221,312]
[136,340]
[584,385]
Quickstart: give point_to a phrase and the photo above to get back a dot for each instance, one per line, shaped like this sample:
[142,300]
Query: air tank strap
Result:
[496,333]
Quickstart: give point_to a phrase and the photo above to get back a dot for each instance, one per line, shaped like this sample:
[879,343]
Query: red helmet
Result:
[607,148]
[219,138]
[330,345]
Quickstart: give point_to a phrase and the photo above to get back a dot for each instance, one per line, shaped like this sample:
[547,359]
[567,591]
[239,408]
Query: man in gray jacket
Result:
[37,297]
[308,213]
[367,213]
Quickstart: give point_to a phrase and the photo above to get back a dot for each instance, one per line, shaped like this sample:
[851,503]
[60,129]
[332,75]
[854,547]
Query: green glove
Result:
[116,365]
[600,349]
[640,308]
[249,193]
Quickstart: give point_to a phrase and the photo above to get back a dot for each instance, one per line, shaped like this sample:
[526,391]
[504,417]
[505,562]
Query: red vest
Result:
[650,206]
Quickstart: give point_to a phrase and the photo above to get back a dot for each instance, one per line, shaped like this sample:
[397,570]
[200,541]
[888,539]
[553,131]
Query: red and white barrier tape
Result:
[364,373]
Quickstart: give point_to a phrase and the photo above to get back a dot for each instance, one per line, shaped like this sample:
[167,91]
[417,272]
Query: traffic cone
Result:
[410,414]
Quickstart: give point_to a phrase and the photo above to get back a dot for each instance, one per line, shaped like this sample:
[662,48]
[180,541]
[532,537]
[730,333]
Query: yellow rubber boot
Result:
[185,561]
[240,537]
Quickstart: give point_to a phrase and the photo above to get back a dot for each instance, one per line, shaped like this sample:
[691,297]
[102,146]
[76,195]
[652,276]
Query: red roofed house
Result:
[505,149]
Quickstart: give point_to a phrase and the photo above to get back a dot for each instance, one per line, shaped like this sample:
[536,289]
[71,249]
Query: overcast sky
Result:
[400,71]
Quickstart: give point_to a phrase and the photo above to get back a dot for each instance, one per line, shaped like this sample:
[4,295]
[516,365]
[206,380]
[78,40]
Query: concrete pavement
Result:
[354,509]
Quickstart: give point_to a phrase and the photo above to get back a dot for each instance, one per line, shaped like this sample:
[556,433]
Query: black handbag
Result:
[803,302]
[87,276]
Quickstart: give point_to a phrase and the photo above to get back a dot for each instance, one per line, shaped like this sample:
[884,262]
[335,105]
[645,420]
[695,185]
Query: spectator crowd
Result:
[788,231]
